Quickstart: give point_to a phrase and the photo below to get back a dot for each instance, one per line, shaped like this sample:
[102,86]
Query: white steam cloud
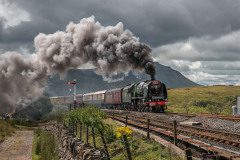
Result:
[110,49]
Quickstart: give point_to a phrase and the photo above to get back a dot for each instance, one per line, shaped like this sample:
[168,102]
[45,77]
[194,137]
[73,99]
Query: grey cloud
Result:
[208,72]
[211,27]
[156,22]
[22,47]
[1,26]
[26,31]
[207,48]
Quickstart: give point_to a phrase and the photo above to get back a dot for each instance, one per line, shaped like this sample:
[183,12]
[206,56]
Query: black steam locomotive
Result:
[149,95]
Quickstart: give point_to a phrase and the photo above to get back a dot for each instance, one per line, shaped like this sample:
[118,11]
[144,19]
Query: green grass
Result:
[44,146]
[35,156]
[141,148]
[204,99]
[6,129]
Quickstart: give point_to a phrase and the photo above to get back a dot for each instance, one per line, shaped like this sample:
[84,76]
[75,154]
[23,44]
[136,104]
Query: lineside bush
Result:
[45,146]
[6,129]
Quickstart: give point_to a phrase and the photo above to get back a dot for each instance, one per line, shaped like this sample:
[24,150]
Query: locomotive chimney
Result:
[152,77]
[150,69]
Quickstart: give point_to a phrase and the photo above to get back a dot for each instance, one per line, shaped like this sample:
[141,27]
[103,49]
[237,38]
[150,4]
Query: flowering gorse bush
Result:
[121,131]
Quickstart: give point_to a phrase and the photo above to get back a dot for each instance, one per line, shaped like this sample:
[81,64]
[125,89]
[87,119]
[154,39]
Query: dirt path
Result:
[17,147]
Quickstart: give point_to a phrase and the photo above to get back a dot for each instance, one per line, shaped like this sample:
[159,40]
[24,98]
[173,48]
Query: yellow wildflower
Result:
[120,131]
[128,130]
[118,135]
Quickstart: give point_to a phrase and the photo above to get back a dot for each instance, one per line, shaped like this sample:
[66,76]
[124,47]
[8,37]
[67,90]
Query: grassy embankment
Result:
[45,143]
[204,99]
[6,129]
[141,148]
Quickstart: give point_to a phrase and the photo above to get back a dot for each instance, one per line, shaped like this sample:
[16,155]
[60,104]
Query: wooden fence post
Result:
[127,147]
[76,128]
[126,121]
[73,127]
[93,136]
[188,154]
[69,124]
[175,132]
[80,130]
[148,130]
[64,123]
[104,144]
[87,135]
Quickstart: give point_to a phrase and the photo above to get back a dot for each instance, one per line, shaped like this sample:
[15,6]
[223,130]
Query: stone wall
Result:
[72,148]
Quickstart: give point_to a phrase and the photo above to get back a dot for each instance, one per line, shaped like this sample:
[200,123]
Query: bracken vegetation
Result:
[6,129]
[205,99]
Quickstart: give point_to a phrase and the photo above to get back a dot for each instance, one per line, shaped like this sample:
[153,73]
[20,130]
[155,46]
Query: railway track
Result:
[224,117]
[225,144]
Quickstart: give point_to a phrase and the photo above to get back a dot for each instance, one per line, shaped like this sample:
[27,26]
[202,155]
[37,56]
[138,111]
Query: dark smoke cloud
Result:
[20,77]
[112,50]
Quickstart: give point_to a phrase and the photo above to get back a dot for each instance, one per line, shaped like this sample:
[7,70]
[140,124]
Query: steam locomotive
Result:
[149,95]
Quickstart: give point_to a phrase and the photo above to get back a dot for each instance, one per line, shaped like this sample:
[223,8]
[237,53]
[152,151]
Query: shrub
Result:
[202,103]
[215,108]
[91,116]
[6,129]
[46,144]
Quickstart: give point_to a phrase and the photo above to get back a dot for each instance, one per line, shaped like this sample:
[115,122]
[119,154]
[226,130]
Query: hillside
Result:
[34,111]
[203,99]
[89,81]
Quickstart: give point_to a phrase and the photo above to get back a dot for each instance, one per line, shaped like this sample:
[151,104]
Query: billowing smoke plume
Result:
[20,77]
[111,50]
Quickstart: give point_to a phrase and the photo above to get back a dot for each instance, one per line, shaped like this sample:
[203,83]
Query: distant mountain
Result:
[89,81]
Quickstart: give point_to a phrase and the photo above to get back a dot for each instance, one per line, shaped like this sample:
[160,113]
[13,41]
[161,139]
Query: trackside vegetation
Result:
[7,128]
[203,99]
[44,146]
[92,126]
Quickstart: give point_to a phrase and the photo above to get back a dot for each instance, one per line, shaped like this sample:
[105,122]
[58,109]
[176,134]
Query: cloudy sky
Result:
[199,38]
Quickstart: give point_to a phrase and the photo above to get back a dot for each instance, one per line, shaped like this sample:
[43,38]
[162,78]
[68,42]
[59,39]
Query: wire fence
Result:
[99,139]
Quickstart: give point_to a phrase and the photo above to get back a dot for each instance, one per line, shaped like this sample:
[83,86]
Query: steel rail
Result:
[189,134]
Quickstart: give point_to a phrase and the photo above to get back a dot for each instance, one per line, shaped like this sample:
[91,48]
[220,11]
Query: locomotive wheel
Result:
[163,110]
[154,109]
